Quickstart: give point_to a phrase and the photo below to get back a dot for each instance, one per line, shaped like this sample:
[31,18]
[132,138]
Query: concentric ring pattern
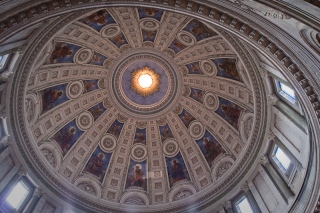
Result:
[187,139]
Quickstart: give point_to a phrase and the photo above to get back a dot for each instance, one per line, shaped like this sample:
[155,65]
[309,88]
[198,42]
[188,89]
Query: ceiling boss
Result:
[145,81]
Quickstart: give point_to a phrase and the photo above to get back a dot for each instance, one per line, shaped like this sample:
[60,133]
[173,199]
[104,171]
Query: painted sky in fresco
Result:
[177,170]
[210,147]
[229,111]
[98,163]
[67,136]
[53,96]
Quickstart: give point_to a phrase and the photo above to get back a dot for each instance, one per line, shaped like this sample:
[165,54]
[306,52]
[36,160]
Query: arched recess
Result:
[254,33]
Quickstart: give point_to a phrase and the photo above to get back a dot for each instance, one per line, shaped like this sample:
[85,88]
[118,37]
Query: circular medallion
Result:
[149,24]
[108,143]
[208,67]
[83,56]
[170,148]
[211,101]
[84,120]
[186,38]
[157,98]
[196,130]
[74,89]
[139,152]
[110,31]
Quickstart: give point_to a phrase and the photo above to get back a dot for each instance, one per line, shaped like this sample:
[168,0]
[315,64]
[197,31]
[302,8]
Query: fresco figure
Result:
[229,111]
[49,97]
[177,170]
[177,46]
[210,147]
[227,68]
[97,59]
[186,118]
[62,53]
[90,85]
[140,136]
[98,163]
[149,35]
[197,95]
[115,128]
[212,150]
[137,175]
[53,96]
[97,110]
[95,167]
[150,12]
[67,136]
[119,40]
[233,114]
[165,132]
[199,30]
[230,68]
[98,17]
[194,68]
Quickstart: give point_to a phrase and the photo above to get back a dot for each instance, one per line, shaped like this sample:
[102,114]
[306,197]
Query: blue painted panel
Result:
[98,163]
[177,169]
[67,136]
[136,177]
[53,96]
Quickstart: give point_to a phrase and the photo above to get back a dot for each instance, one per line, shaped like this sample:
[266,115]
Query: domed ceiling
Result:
[95,133]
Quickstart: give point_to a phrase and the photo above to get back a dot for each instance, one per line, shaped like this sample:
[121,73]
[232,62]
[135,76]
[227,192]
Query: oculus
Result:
[145,81]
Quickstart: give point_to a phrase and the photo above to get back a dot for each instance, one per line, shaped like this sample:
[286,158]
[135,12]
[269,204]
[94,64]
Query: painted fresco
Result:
[53,96]
[194,68]
[150,13]
[119,40]
[98,19]
[210,147]
[98,163]
[90,85]
[63,53]
[97,59]
[186,117]
[115,128]
[140,136]
[149,35]
[177,46]
[227,68]
[197,95]
[177,169]
[137,175]
[165,132]
[199,30]
[97,110]
[67,136]
[229,112]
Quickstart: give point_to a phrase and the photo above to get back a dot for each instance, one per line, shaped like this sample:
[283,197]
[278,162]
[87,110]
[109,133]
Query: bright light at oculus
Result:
[145,81]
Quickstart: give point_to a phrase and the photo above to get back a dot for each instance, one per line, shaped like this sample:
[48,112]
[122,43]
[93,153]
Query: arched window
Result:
[243,205]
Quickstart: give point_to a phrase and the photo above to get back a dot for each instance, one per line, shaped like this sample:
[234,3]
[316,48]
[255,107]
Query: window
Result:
[282,159]
[283,163]
[17,195]
[286,92]
[243,205]
[14,198]
[3,61]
